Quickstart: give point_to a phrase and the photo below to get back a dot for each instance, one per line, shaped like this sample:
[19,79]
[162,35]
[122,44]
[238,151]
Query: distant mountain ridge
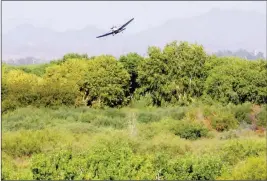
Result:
[215,30]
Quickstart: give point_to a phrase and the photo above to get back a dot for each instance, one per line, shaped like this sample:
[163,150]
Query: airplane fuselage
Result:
[116,31]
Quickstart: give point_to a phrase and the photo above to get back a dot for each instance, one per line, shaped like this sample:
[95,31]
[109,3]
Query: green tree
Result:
[61,83]
[19,89]
[130,63]
[174,74]
[106,82]
[237,81]
[70,56]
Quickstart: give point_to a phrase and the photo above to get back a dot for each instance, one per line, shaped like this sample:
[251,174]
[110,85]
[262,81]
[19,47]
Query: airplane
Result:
[115,30]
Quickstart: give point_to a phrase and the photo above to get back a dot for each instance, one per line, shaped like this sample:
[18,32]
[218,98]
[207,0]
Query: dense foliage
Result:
[178,114]
[178,74]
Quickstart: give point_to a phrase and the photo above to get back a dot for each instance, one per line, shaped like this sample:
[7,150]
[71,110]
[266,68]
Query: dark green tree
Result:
[130,63]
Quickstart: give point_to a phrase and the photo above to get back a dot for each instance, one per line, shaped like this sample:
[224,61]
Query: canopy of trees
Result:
[176,75]
[183,115]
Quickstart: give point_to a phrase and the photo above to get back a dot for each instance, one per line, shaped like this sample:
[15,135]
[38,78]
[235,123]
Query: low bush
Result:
[221,119]
[147,117]
[253,168]
[262,117]
[166,143]
[190,130]
[191,167]
[141,101]
[242,112]
[7,167]
[176,113]
[43,117]
[229,135]
[105,162]
[14,169]
[9,105]
[237,150]
[27,143]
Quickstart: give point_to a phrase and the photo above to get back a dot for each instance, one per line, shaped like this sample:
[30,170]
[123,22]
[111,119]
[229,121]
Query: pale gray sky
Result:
[61,16]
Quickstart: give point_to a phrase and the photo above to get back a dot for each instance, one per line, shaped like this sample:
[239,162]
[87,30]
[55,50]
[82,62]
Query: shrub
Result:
[253,168]
[247,171]
[191,167]
[262,117]
[46,117]
[12,170]
[164,142]
[176,113]
[19,89]
[242,112]
[224,122]
[236,150]
[109,162]
[141,101]
[220,118]
[7,167]
[190,130]
[9,105]
[229,135]
[26,143]
[149,130]
[147,117]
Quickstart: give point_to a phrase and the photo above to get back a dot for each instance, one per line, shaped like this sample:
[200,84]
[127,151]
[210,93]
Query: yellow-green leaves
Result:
[106,82]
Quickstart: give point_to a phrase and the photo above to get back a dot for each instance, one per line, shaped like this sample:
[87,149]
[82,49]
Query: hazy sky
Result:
[61,16]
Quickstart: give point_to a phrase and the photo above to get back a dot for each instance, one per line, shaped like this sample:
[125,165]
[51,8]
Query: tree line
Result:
[242,53]
[177,74]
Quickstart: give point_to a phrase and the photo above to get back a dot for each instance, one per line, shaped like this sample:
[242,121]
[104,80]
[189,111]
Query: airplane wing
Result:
[126,24]
[104,35]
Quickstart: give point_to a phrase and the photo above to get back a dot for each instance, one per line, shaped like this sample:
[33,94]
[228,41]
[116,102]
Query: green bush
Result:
[43,117]
[247,171]
[105,162]
[237,150]
[262,117]
[191,167]
[11,170]
[9,105]
[190,130]
[7,167]
[242,112]
[167,143]
[176,113]
[27,143]
[229,135]
[221,119]
[253,168]
[224,122]
[140,102]
[147,117]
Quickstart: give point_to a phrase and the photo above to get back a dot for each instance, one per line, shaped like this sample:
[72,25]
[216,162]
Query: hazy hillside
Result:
[242,54]
[216,30]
